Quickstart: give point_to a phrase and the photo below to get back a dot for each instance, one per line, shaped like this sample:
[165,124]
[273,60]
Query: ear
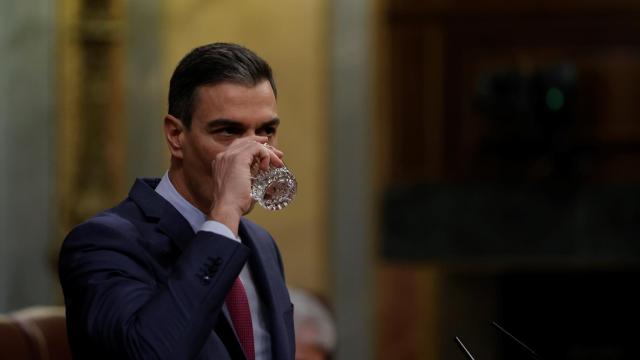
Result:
[174,134]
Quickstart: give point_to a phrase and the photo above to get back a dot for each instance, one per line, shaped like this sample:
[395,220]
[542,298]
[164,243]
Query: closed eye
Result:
[267,131]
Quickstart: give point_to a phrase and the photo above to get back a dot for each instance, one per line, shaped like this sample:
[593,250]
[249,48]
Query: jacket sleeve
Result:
[113,298]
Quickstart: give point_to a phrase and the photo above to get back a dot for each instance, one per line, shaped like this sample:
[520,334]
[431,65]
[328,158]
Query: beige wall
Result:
[291,35]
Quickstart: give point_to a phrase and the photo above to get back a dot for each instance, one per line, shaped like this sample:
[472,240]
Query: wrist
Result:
[226,216]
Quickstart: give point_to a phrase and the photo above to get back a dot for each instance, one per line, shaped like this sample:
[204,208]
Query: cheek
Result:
[202,154]
[192,159]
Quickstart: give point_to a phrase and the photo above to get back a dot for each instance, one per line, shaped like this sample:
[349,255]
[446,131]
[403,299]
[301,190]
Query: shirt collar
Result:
[194,216]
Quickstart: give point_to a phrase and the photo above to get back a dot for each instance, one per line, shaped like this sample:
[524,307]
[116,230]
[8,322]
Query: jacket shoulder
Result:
[110,231]
[113,223]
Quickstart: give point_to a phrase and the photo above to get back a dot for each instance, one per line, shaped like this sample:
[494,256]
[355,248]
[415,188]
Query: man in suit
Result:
[175,271]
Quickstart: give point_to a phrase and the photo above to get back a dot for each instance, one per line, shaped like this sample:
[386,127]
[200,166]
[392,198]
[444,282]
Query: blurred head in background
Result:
[314,326]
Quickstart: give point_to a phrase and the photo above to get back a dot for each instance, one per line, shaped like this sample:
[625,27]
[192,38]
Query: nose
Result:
[251,133]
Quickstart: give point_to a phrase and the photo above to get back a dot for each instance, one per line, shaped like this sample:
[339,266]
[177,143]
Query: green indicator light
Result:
[555,99]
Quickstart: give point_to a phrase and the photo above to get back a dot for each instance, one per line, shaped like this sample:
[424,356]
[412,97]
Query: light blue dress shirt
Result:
[199,222]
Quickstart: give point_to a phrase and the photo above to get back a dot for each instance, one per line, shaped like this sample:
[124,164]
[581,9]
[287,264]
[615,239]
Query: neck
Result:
[179,182]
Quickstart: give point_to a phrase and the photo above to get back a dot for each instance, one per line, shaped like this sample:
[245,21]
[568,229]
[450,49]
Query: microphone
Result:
[522,345]
[464,350]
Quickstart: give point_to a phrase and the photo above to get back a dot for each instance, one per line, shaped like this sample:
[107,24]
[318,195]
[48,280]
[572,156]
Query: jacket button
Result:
[205,280]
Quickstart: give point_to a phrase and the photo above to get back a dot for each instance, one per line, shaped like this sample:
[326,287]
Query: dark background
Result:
[515,175]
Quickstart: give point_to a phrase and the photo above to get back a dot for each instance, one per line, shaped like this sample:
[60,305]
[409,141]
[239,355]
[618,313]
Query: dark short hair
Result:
[209,65]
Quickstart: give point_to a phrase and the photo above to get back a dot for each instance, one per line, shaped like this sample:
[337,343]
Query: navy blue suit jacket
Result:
[139,284]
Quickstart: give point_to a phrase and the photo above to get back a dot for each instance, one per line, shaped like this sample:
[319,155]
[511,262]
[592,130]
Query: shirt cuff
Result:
[218,228]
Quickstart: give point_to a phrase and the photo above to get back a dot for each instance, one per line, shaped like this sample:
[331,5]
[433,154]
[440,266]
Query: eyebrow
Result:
[228,122]
[272,122]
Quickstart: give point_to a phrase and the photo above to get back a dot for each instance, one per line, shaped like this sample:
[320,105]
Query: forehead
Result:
[235,101]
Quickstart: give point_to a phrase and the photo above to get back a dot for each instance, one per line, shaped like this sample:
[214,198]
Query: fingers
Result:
[278,152]
[257,149]
[270,156]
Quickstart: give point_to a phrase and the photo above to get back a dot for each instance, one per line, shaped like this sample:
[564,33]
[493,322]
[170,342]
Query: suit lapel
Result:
[266,272]
[258,263]
[170,221]
[228,337]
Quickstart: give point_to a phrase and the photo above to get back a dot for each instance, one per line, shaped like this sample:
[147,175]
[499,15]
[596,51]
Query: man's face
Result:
[223,113]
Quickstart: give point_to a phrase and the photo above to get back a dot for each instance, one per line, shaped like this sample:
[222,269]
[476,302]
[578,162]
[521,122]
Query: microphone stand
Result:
[464,350]
[522,345]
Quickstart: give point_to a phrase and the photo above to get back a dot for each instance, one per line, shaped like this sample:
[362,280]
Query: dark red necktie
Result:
[238,306]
